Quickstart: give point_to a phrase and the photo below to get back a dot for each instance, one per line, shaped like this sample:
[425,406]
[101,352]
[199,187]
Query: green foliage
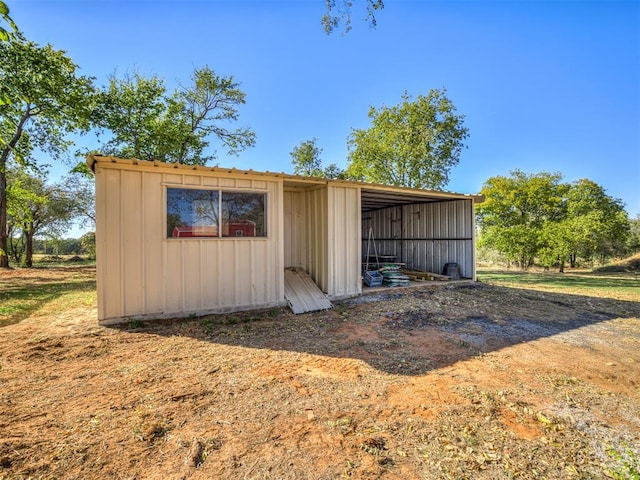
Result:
[339,12]
[528,216]
[627,464]
[306,161]
[413,144]
[47,101]
[88,243]
[147,123]
[633,241]
[79,190]
[36,208]
[5,34]
[516,210]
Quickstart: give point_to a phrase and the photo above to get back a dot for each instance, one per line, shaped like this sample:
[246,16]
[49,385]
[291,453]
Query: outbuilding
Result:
[176,240]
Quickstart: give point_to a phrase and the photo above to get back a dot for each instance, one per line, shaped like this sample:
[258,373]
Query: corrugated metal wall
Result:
[321,236]
[295,229]
[140,272]
[424,236]
[344,244]
[316,236]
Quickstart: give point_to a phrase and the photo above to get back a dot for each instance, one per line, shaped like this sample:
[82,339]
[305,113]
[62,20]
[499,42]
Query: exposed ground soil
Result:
[452,381]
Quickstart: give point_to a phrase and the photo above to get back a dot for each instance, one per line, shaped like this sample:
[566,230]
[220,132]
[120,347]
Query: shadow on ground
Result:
[408,332]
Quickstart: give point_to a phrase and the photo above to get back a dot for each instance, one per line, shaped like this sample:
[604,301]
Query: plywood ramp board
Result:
[302,293]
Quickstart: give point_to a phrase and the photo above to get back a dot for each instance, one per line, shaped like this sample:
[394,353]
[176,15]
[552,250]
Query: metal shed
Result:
[144,270]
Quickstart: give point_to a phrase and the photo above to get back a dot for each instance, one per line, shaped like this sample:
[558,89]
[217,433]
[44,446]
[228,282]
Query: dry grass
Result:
[475,381]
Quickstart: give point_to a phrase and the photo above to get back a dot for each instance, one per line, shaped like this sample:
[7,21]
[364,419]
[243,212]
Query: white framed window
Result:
[193,212]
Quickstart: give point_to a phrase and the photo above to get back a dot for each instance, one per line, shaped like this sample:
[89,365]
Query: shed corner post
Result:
[473,236]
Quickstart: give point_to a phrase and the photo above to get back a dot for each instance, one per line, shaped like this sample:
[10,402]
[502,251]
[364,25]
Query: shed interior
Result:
[417,232]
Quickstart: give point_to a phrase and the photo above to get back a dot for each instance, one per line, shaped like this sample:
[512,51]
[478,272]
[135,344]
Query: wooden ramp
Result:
[302,293]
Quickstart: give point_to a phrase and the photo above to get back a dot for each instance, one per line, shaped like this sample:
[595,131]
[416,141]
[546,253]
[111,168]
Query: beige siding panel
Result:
[295,230]
[275,248]
[192,179]
[141,272]
[191,268]
[316,245]
[288,228]
[344,255]
[210,181]
[131,215]
[153,212]
[111,243]
[227,274]
[172,178]
[243,271]
[210,275]
[100,245]
[302,293]
[266,281]
[173,282]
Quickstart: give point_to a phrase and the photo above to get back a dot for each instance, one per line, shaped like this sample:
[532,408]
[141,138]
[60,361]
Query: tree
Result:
[595,226]
[4,15]
[633,241]
[597,223]
[88,243]
[37,208]
[538,216]
[306,161]
[339,12]
[79,186]
[48,100]
[146,123]
[413,144]
[516,211]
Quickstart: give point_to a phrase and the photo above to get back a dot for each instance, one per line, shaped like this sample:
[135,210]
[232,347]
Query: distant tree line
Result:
[539,218]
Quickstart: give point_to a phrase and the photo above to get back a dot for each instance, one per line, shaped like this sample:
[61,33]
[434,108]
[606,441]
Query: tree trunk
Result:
[28,246]
[572,260]
[4,157]
[561,266]
[4,244]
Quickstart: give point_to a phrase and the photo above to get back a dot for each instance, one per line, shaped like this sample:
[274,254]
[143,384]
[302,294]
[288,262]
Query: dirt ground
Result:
[449,381]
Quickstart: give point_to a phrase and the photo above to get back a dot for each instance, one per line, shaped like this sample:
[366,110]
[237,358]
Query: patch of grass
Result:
[621,286]
[627,464]
[52,290]
[134,324]
[631,264]
[48,261]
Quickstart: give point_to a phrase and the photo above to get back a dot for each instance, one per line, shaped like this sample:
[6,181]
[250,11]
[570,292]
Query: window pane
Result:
[243,214]
[192,213]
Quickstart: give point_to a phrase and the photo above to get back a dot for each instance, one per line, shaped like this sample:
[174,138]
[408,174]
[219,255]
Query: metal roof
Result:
[373,196]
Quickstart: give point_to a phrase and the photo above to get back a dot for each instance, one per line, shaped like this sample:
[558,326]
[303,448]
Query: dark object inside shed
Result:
[451,270]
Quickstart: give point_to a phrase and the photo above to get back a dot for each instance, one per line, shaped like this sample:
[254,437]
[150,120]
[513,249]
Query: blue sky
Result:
[544,85]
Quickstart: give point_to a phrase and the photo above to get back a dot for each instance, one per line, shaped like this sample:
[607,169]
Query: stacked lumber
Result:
[421,276]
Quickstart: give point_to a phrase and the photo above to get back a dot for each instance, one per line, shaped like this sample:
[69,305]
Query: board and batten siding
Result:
[321,231]
[141,273]
[344,266]
[425,236]
[305,232]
